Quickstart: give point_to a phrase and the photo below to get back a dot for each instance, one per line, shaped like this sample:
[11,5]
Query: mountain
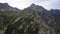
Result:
[50,18]
[36,7]
[32,20]
[56,14]
[6,7]
[39,9]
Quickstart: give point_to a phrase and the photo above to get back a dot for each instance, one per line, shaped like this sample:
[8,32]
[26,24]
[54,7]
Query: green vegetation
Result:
[26,22]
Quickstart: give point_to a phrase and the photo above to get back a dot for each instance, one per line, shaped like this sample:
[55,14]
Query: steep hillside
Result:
[32,20]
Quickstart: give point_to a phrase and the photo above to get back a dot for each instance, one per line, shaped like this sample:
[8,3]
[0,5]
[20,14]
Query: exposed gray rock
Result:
[6,7]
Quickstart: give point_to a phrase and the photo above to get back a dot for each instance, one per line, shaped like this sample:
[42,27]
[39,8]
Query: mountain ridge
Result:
[7,7]
[32,20]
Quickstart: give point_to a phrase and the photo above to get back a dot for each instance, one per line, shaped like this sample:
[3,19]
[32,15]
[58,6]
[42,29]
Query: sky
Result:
[21,4]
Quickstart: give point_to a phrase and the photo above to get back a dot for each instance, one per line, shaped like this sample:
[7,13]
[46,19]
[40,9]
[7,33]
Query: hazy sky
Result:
[21,4]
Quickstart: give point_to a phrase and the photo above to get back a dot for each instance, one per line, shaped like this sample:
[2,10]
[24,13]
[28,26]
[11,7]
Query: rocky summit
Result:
[6,7]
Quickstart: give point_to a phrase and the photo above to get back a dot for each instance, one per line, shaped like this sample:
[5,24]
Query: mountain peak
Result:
[7,7]
[36,7]
[4,4]
[33,5]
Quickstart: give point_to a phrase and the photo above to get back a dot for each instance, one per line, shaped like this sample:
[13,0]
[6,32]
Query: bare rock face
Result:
[36,8]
